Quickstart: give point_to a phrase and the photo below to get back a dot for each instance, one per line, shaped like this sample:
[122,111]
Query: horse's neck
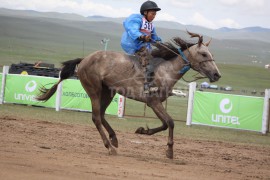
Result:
[172,69]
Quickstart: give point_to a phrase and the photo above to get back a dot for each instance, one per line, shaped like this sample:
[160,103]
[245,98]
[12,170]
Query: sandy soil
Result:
[32,149]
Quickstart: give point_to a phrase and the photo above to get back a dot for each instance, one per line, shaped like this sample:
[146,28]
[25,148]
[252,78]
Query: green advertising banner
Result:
[75,97]
[226,110]
[23,89]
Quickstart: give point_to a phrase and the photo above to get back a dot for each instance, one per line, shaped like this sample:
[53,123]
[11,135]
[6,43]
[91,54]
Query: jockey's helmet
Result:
[149,5]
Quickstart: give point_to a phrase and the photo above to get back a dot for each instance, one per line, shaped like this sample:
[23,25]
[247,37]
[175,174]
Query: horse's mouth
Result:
[214,77]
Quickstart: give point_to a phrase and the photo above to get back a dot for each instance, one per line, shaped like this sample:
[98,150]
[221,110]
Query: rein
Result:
[187,64]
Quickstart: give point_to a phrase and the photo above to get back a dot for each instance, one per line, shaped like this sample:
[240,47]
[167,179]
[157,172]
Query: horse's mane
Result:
[163,52]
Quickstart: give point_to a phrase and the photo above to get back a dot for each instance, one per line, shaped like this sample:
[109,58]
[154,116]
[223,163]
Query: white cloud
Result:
[228,23]
[252,7]
[255,4]
[214,14]
[105,10]
[165,17]
[244,3]
[83,7]
[230,2]
[183,3]
[200,20]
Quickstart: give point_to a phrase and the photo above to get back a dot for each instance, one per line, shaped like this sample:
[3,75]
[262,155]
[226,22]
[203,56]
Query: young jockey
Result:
[139,32]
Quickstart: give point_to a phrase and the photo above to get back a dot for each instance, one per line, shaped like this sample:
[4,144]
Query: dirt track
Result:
[32,149]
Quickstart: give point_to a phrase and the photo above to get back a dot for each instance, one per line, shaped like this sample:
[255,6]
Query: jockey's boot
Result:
[145,57]
[148,84]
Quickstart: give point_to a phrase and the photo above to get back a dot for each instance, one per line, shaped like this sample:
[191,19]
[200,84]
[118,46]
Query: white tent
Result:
[204,85]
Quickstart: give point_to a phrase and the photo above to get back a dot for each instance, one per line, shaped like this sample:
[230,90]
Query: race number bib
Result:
[147,27]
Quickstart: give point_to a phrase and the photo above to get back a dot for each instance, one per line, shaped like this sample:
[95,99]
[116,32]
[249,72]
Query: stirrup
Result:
[150,90]
[153,89]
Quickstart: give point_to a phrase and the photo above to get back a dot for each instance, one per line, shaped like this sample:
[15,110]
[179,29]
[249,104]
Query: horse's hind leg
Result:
[97,119]
[106,98]
[94,91]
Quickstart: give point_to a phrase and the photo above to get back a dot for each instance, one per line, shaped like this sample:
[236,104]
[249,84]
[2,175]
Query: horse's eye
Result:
[204,54]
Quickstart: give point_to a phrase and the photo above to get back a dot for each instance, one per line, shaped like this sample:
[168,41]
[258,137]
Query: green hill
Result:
[31,36]
[30,39]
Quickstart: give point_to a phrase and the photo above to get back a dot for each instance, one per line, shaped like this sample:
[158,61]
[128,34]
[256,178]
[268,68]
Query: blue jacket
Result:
[130,42]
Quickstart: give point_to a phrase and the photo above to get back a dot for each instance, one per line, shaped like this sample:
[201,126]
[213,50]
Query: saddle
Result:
[148,71]
[153,62]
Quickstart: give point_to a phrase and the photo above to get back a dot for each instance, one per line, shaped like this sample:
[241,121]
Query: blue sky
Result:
[208,13]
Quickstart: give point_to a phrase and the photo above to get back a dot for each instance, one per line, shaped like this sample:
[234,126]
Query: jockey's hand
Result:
[157,42]
[145,38]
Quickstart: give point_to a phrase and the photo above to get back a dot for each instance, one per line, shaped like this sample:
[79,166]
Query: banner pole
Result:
[121,106]
[58,97]
[4,75]
[265,119]
[192,89]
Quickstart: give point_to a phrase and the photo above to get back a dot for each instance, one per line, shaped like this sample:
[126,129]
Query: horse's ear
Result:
[200,40]
[207,44]
[196,35]
[192,35]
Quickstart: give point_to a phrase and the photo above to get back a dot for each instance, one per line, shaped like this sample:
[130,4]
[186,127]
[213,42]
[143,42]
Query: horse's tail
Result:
[67,71]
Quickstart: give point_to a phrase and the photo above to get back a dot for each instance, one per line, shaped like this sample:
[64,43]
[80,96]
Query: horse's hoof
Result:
[169,153]
[139,130]
[112,151]
[114,141]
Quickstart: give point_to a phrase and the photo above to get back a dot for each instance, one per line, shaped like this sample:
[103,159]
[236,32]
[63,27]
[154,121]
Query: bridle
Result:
[187,64]
[199,66]
[199,69]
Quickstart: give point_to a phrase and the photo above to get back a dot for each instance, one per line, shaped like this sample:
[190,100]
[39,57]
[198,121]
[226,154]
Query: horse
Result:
[105,73]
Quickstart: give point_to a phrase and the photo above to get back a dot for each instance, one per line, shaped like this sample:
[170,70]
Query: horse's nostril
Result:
[217,76]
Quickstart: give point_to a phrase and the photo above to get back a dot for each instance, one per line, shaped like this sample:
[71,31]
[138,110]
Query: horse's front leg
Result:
[166,120]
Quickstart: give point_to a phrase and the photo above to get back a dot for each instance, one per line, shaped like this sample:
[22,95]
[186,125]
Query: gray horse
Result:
[104,73]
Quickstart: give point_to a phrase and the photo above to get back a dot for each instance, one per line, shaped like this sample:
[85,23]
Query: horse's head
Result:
[201,59]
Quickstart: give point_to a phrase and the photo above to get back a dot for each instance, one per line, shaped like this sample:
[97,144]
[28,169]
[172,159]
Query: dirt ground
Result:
[34,149]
